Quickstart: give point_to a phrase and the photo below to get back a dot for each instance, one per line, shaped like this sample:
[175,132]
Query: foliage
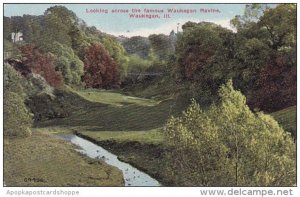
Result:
[100,70]
[137,45]
[29,25]
[195,50]
[252,13]
[41,63]
[67,63]
[8,28]
[138,64]
[260,57]
[276,87]
[239,148]
[161,45]
[266,56]
[59,22]
[16,117]
[137,67]
[203,52]
[118,53]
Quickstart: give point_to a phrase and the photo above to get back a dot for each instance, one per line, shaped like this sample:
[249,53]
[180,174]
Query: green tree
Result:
[203,52]
[118,53]
[68,63]
[251,15]
[7,30]
[31,28]
[161,45]
[137,45]
[238,148]
[195,50]
[59,23]
[266,56]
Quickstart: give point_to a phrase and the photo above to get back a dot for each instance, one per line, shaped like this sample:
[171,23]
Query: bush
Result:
[17,119]
[229,145]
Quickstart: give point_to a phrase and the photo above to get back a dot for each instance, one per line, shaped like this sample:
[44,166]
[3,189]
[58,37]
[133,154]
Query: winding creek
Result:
[132,176]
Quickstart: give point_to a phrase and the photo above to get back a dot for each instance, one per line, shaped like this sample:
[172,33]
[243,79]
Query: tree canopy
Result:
[100,70]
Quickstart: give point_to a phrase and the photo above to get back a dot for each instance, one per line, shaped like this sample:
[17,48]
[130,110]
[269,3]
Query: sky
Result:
[121,24]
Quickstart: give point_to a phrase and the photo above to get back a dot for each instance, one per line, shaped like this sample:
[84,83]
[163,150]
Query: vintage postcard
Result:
[161,94]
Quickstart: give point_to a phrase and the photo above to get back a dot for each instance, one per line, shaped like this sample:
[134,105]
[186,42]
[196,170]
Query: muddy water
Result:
[132,176]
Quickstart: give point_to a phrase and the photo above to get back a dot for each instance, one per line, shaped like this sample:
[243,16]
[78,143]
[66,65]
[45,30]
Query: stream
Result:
[132,176]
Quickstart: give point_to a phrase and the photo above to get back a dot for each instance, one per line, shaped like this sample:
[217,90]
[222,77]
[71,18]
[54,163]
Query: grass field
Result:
[108,114]
[45,160]
[148,137]
[287,118]
[113,98]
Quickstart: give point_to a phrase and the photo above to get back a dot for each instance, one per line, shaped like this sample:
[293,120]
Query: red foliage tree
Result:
[42,64]
[277,86]
[100,70]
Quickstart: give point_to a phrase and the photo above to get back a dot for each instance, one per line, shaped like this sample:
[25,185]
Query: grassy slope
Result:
[288,119]
[111,113]
[160,88]
[53,162]
[113,98]
[148,137]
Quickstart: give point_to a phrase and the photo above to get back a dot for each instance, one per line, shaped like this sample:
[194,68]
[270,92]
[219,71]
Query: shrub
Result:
[229,145]
[17,119]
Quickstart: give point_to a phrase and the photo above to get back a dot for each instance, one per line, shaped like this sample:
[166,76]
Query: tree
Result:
[203,52]
[251,15]
[281,25]
[17,119]
[161,45]
[29,25]
[196,48]
[42,64]
[118,53]
[67,63]
[266,56]
[31,28]
[239,148]
[276,86]
[59,24]
[100,70]
[137,45]
[7,30]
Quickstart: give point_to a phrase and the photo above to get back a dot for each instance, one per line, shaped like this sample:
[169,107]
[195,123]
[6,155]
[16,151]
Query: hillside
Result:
[40,167]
